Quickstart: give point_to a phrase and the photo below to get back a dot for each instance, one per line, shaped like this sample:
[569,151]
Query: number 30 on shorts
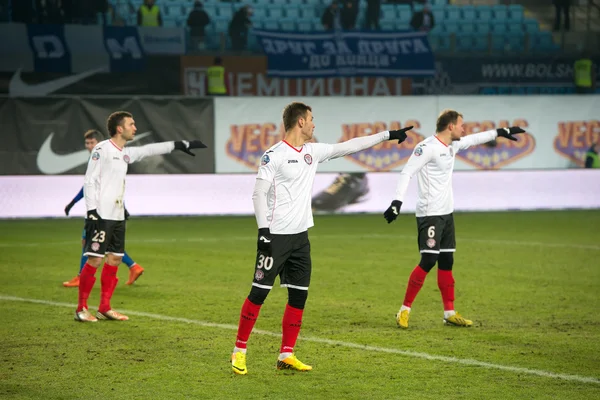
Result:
[264,262]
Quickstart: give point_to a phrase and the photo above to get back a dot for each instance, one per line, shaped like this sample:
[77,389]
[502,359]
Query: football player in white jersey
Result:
[282,206]
[433,162]
[104,190]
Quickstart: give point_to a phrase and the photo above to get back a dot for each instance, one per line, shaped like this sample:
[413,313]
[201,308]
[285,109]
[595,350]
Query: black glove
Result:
[264,241]
[92,221]
[185,146]
[509,132]
[126,215]
[400,134]
[392,212]
[68,208]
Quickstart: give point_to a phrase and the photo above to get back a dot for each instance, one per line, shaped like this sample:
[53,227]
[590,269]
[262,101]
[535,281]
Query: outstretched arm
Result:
[483,137]
[360,143]
[139,153]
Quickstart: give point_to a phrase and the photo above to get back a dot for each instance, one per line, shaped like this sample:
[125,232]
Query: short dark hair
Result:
[93,134]
[115,119]
[292,112]
[446,118]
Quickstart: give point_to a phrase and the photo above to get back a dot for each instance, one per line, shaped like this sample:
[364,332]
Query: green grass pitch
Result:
[530,281]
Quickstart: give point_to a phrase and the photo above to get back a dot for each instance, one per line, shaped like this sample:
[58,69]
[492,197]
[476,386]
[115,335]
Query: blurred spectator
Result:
[373,13]
[149,14]
[348,15]
[584,75]
[197,21]
[562,7]
[22,11]
[49,12]
[238,27]
[331,17]
[592,158]
[423,20]
[216,83]
[85,12]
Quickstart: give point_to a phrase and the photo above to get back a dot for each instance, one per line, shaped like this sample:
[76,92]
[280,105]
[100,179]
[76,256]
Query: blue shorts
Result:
[83,234]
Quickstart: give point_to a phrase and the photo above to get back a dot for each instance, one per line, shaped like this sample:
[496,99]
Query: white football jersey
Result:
[433,162]
[104,185]
[292,171]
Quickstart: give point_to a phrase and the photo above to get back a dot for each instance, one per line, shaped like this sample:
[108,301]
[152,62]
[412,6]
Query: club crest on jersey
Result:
[265,160]
[259,275]
[95,246]
[126,158]
[308,159]
[418,151]
[96,156]
[431,243]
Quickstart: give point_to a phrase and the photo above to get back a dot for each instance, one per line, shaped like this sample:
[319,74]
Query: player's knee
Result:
[113,259]
[428,261]
[445,261]
[94,261]
[258,295]
[297,298]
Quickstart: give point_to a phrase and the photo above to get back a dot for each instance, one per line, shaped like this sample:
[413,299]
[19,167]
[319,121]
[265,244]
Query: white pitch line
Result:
[414,354]
[317,237]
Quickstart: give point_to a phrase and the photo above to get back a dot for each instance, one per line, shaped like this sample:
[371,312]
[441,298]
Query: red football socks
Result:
[446,285]
[86,283]
[248,318]
[415,283]
[291,323]
[109,282]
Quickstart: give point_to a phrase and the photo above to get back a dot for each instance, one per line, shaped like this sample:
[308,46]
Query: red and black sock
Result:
[248,318]
[290,325]
[415,283]
[86,284]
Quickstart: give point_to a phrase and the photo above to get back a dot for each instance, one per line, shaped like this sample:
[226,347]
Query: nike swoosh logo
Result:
[50,163]
[17,87]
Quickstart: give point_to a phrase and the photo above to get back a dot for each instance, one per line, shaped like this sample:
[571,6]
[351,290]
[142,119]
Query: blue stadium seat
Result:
[439,2]
[451,27]
[480,43]
[404,13]
[258,24]
[468,13]
[275,12]
[464,42]
[467,28]
[221,24]
[515,27]
[516,12]
[531,26]
[516,42]
[317,26]
[292,12]
[271,25]
[543,42]
[169,21]
[484,13]
[388,25]
[499,27]
[483,28]
[453,13]
[418,7]
[225,11]
[304,26]
[500,12]
[439,13]
[387,13]
[282,3]
[259,13]
[288,24]
[443,43]
[402,26]
[307,13]
[498,43]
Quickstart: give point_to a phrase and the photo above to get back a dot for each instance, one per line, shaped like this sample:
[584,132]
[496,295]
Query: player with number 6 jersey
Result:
[282,205]
[433,162]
